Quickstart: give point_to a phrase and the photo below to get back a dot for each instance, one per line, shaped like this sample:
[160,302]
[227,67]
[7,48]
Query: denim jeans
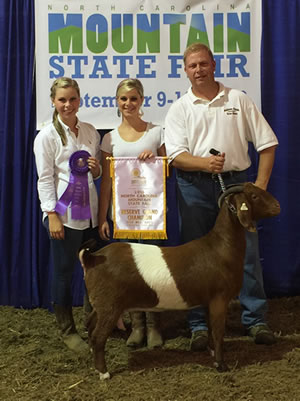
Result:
[198,210]
[64,256]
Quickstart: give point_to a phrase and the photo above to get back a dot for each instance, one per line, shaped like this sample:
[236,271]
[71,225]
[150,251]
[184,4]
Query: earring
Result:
[118,113]
[141,113]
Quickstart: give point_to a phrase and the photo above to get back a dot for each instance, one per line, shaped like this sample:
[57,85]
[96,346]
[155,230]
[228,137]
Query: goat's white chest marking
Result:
[154,270]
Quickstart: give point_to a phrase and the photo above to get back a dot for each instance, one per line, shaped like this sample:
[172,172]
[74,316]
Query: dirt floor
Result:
[36,365]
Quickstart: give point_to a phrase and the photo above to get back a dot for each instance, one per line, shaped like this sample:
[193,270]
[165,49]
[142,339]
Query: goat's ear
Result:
[244,212]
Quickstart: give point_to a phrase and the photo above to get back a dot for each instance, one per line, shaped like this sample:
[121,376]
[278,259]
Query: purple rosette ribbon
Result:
[77,192]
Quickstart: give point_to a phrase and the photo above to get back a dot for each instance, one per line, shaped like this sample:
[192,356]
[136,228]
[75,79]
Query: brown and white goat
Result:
[207,271]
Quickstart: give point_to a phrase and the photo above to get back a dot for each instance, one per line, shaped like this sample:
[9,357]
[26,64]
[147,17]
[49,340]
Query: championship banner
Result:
[139,197]
[100,43]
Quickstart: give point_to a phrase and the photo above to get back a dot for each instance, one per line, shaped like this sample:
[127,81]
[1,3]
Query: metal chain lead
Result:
[215,153]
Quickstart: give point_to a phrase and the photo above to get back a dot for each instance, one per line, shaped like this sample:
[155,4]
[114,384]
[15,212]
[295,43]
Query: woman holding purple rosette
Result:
[67,154]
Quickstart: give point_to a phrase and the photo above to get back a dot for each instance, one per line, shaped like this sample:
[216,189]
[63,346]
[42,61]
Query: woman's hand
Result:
[104,231]
[94,166]
[56,227]
[146,154]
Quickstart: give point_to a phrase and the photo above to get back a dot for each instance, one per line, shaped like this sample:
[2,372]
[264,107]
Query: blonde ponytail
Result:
[59,128]
[63,82]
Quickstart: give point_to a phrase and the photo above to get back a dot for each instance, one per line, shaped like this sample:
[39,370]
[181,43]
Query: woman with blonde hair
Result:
[133,138]
[67,154]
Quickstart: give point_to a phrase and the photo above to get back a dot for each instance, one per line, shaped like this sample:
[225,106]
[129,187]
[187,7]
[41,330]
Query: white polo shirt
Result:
[227,123]
[52,162]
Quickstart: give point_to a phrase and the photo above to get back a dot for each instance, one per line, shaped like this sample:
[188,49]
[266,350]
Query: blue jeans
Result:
[64,255]
[198,210]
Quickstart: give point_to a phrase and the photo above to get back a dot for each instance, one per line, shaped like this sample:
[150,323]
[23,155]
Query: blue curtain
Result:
[24,259]
[25,267]
[280,238]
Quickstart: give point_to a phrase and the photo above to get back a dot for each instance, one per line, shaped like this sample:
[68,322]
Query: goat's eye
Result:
[254,197]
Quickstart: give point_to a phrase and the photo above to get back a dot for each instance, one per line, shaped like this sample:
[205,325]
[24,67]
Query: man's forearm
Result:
[187,162]
[265,166]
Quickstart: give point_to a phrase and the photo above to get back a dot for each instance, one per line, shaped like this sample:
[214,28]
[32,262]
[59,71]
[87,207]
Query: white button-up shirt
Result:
[52,162]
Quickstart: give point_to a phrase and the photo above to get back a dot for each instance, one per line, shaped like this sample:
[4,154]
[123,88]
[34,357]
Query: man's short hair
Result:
[195,48]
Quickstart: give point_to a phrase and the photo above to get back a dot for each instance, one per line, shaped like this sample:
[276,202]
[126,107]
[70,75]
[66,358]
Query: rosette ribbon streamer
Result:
[77,192]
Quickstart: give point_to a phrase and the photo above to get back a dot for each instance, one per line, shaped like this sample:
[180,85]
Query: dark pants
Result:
[64,255]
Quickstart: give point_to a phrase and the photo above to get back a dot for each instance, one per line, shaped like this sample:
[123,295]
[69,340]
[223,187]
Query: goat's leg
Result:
[217,316]
[106,321]
[91,324]
[210,339]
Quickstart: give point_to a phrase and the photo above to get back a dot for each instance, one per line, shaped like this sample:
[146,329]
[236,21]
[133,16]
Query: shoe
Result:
[199,340]
[262,334]
[154,337]
[76,343]
[138,334]
[65,321]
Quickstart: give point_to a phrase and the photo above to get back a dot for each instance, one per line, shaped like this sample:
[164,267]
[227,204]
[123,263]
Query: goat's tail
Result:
[87,255]
[90,246]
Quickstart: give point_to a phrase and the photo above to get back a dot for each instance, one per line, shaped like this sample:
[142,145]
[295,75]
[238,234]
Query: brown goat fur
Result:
[207,271]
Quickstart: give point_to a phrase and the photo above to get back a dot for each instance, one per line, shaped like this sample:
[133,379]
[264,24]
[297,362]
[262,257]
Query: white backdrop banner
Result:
[99,43]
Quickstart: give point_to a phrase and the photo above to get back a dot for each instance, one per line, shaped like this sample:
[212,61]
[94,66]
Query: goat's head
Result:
[250,203]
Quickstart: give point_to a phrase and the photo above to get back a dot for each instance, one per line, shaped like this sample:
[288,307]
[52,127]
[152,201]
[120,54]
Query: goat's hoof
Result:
[221,367]
[104,376]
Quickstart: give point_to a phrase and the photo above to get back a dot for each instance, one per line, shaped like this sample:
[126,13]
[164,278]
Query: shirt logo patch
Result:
[232,111]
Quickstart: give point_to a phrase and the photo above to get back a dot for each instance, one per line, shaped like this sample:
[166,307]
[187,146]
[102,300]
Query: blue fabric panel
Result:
[280,237]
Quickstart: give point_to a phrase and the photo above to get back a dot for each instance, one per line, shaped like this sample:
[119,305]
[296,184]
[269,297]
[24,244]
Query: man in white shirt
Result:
[209,116]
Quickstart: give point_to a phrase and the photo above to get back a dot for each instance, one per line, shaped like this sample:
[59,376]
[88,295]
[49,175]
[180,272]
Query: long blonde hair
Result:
[63,82]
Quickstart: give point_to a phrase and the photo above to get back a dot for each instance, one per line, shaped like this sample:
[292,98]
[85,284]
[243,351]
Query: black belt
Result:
[202,174]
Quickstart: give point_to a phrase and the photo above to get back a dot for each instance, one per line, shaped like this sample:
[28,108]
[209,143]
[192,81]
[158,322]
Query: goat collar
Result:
[231,189]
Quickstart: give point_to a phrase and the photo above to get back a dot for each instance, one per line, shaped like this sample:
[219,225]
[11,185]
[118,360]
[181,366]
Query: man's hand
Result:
[215,163]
